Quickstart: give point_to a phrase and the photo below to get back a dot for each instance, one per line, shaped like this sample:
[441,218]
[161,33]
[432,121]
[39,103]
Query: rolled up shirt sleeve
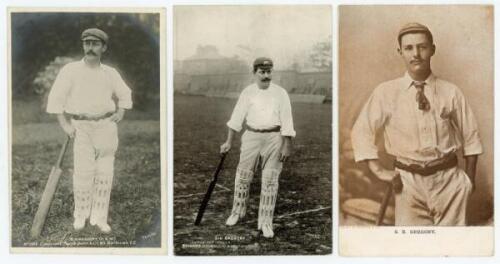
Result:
[363,134]
[466,125]
[59,92]
[286,117]
[239,113]
[122,91]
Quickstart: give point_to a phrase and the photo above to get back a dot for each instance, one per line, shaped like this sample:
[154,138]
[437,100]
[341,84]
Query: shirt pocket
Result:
[443,117]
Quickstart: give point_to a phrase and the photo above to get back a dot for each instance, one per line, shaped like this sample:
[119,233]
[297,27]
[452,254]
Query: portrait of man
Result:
[425,121]
[243,95]
[85,108]
[415,128]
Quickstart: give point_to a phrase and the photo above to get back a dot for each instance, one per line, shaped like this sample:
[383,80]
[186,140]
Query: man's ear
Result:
[433,49]
[105,48]
[399,51]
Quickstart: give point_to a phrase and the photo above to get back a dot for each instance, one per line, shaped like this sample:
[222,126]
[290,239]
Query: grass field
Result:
[303,212]
[135,208]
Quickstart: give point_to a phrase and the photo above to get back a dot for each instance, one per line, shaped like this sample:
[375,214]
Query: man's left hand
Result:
[470,169]
[118,116]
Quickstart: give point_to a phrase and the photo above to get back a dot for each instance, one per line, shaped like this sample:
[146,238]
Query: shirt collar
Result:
[85,64]
[408,81]
[271,86]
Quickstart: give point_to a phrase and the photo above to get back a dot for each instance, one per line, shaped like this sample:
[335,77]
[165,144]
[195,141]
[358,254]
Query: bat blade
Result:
[48,193]
[43,207]
[204,203]
[210,189]
[384,204]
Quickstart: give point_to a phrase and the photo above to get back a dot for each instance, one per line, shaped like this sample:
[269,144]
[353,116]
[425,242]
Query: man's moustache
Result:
[91,53]
[266,80]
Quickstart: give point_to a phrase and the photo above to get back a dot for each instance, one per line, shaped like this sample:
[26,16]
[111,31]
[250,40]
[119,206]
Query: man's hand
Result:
[69,130]
[380,172]
[470,169]
[118,116]
[224,148]
[67,127]
[286,149]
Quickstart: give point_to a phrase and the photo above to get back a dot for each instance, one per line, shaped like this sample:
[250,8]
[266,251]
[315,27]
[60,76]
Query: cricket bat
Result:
[211,187]
[48,193]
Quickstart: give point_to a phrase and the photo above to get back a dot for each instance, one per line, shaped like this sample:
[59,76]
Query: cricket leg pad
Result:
[268,195]
[241,193]
[100,200]
[82,195]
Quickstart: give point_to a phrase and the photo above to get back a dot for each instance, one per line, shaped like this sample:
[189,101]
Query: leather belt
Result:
[91,117]
[267,130]
[446,163]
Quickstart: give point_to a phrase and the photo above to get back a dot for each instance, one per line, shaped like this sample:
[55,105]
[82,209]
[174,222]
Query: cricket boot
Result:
[79,224]
[268,194]
[241,193]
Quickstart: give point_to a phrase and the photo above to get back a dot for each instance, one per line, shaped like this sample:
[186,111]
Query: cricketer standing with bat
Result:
[268,137]
[84,91]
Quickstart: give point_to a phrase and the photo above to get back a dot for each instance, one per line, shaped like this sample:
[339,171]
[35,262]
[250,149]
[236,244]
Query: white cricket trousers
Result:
[265,146]
[94,154]
[438,199]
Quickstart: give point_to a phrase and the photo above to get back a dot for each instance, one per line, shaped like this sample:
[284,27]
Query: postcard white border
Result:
[163,138]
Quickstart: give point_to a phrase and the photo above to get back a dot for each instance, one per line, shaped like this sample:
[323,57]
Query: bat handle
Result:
[62,152]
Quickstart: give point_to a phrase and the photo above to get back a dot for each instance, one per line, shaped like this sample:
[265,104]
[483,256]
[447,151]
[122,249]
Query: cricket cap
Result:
[263,63]
[414,28]
[96,33]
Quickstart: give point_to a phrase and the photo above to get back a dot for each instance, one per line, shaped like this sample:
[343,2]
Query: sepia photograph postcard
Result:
[252,130]
[415,130]
[85,130]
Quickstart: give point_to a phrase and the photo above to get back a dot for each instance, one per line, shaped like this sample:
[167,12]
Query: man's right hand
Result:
[69,130]
[224,148]
[387,175]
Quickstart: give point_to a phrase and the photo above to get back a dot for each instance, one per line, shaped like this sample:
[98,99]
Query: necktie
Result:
[423,103]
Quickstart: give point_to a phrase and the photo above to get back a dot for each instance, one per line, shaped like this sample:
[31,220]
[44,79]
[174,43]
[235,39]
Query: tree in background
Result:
[321,55]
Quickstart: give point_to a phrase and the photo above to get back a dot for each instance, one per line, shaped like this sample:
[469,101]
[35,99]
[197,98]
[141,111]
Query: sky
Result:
[284,33]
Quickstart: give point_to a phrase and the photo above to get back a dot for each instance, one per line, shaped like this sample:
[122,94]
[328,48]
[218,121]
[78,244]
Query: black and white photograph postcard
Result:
[85,131]
[252,130]
[416,130]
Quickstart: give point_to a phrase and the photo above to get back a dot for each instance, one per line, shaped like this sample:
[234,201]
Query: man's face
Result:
[93,48]
[263,77]
[416,51]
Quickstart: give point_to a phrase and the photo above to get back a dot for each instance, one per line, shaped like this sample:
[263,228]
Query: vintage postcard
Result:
[416,130]
[86,136]
[252,130]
